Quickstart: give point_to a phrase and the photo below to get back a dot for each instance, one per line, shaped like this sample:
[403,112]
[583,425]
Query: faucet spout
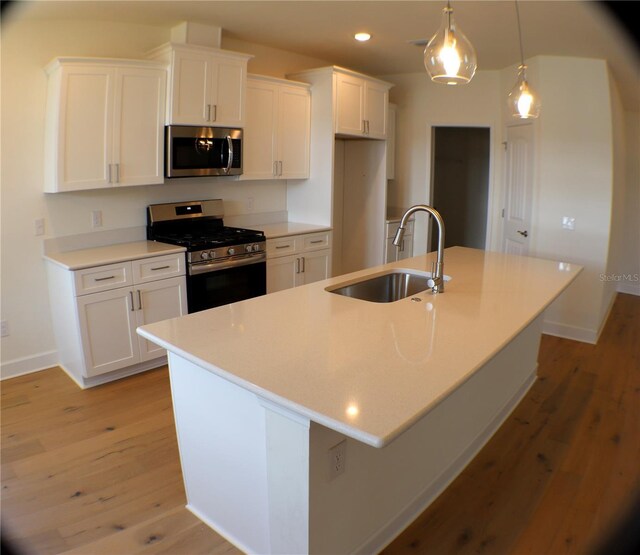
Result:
[438,275]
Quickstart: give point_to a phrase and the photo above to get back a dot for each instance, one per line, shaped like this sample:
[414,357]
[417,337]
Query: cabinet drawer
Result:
[158,267]
[102,278]
[282,246]
[316,241]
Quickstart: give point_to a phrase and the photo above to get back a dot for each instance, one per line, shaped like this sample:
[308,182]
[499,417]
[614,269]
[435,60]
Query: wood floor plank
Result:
[97,471]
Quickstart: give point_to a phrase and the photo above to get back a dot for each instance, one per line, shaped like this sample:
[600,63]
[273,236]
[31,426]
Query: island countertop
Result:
[369,370]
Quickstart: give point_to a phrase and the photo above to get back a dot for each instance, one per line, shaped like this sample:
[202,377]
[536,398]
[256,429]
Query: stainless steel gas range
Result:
[224,264]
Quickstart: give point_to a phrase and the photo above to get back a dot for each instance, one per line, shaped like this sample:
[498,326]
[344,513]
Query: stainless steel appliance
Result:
[192,151]
[224,264]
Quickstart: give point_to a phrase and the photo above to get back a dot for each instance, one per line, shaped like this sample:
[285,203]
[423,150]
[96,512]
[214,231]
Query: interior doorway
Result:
[460,184]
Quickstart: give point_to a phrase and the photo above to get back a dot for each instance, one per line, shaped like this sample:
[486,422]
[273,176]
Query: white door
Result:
[85,128]
[192,81]
[138,146]
[519,189]
[316,265]
[229,84]
[259,147]
[293,132]
[156,301]
[282,273]
[107,326]
[350,105]
[375,111]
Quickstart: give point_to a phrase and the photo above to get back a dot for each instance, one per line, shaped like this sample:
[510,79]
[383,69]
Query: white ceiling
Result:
[324,29]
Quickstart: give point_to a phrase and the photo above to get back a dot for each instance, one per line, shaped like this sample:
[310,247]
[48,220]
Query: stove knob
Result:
[231,251]
[248,248]
[204,255]
[256,247]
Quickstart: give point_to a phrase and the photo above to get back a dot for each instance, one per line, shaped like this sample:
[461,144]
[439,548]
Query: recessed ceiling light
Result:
[362,37]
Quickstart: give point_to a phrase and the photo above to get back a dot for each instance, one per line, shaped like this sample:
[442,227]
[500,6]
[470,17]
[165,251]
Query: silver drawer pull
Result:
[133,308]
[160,268]
[318,241]
[283,246]
[104,278]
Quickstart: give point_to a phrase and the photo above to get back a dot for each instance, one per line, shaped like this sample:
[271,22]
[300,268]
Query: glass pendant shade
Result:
[449,57]
[523,101]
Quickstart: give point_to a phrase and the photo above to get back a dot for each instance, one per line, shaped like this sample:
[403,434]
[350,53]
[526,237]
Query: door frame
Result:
[493,203]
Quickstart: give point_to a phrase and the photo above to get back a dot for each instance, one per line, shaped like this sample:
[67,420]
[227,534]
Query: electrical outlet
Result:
[4,328]
[250,204]
[38,228]
[96,218]
[337,459]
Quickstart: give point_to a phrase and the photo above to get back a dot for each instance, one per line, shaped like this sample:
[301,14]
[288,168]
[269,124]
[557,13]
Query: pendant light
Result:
[449,56]
[523,101]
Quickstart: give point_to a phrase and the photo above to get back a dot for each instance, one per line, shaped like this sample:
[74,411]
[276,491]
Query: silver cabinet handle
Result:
[280,172]
[139,300]
[297,265]
[303,261]
[131,296]
[317,241]
[104,278]
[160,268]
[215,112]
[283,246]
[208,112]
[275,168]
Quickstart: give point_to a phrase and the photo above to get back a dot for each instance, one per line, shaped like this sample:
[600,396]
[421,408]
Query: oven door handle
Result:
[230,160]
[195,269]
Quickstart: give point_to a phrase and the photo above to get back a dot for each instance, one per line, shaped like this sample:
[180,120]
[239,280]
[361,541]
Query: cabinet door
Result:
[349,105]
[107,327]
[259,146]
[138,147]
[294,113]
[155,301]
[192,78]
[316,265]
[85,128]
[375,112]
[228,91]
[283,273]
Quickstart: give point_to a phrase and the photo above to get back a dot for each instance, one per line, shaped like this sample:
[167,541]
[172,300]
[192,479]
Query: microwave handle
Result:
[230,161]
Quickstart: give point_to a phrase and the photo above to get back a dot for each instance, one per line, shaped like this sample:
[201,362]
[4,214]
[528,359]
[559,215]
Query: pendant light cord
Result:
[519,33]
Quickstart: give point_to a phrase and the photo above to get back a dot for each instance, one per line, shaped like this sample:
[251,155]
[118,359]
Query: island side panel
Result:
[221,437]
[383,490]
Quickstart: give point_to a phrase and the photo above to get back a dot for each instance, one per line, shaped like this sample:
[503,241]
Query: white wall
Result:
[422,104]
[26,48]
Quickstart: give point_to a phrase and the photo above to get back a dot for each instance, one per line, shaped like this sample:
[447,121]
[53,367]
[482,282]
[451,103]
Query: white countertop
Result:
[284,229]
[112,254]
[369,370]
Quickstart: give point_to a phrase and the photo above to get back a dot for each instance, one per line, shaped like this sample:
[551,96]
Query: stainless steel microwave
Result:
[192,151]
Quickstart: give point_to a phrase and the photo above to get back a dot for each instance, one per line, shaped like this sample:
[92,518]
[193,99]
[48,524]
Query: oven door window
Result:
[189,153]
[222,287]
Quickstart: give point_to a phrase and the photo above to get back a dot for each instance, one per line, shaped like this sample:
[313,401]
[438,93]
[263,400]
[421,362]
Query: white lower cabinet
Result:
[297,260]
[96,312]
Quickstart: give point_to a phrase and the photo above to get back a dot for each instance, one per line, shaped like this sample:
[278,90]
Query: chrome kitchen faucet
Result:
[437,275]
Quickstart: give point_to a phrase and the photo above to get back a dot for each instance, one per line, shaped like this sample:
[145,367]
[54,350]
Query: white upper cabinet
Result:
[361,105]
[277,130]
[206,85]
[104,124]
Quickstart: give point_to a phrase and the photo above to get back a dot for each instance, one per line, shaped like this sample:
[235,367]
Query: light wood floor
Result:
[97,471]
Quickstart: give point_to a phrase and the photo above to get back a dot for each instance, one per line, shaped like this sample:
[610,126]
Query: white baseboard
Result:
[565,331]
[28,365]
[629,288]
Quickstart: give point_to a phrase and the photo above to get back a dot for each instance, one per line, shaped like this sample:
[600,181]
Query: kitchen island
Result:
[310,422]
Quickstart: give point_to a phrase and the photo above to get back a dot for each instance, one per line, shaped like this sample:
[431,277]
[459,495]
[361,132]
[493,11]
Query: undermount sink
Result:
[385,288]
